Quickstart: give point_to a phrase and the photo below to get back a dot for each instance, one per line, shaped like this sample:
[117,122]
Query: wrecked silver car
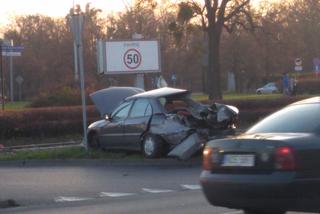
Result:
[159,122]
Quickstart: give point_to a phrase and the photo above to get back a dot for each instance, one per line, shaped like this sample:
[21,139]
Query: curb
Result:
[8,204]
[41,146]
[196,161]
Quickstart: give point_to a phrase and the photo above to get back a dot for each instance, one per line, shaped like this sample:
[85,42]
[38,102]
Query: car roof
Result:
[307,101]
[160,92]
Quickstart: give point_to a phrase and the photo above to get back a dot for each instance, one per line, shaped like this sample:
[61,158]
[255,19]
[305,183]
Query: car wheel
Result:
[248,211]
[258,92]
[94,142]
[152,146]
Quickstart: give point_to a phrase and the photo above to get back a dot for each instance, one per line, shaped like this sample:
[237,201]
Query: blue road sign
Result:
[8,50]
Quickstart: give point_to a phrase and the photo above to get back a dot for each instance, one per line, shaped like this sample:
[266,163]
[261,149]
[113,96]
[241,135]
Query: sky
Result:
[55,8]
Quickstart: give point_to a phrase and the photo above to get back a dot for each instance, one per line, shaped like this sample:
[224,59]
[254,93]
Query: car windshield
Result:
[296,118]
[271,84]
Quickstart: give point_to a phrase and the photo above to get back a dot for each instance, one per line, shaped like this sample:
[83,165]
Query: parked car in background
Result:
[274,167]
[269,88]
[157,122]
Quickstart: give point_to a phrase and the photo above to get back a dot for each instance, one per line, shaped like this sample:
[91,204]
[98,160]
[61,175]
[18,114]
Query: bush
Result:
[260,104]
[44,122]
[249,117]
[309,86]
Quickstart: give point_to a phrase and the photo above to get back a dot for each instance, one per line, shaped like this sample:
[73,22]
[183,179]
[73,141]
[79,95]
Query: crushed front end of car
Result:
[188,125]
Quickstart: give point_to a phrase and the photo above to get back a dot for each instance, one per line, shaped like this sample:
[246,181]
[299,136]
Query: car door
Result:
[113,132]
[137,122]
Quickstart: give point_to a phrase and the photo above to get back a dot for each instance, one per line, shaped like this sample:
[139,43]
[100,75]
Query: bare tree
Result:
[216,15]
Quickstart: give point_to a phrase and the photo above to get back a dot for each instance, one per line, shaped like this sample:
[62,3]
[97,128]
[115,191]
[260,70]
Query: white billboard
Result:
[135,56]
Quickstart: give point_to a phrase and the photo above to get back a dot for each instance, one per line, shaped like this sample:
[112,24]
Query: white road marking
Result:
[70,199]
[156,190]
[191,186]
[115,194]
[234,212]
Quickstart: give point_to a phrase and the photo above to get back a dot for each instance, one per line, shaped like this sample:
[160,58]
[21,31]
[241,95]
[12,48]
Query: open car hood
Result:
[106,100]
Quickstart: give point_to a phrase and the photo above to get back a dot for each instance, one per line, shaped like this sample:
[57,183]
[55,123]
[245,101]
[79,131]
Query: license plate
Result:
[238,160]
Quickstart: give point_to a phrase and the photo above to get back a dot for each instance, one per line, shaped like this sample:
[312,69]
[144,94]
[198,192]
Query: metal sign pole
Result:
[140,81]
[11,76]
[76,27]
[83,97]
[75,55]
[2,76]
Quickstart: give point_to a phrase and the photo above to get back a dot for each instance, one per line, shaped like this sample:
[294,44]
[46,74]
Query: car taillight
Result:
[210,158]
[284,158]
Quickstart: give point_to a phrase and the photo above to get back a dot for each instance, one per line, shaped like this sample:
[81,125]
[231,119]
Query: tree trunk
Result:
[213,77]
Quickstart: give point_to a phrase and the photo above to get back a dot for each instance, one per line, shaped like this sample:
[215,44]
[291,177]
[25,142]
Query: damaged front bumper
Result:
[188,147]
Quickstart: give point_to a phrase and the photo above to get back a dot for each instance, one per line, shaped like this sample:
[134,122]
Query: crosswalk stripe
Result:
[235,212]
[156,190]
[115,194]
[191,186]
[70,199]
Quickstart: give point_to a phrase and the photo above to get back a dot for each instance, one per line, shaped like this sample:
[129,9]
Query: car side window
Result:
[141,108]
[121,112]
[148,111]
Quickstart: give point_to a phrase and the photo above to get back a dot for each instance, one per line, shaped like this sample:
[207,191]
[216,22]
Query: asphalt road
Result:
[104,187]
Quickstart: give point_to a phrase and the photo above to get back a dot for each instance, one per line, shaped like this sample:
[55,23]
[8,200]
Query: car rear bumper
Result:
[279,190]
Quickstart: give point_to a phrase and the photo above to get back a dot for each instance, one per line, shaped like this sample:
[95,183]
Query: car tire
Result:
[249,211]
[152,146]
[94,142]
[258,92]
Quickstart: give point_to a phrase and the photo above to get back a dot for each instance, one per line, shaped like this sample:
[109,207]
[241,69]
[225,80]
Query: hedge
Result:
[59,121]
[308,86]
[254,104]
[44,122]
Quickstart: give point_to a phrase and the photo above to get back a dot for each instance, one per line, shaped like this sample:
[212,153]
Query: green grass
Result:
[67,153]
[15,105]
[235,96]
[199,96]
[238,96]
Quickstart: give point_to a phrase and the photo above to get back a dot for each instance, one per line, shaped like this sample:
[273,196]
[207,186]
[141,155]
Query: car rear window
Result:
[297,118]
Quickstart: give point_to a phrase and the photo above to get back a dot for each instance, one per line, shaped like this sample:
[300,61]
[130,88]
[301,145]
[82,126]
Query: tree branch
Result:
[222,10]
[236,10]
[209,10]
[200,10]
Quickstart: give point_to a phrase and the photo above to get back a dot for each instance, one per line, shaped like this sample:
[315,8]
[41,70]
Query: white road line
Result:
[70,199]
[234,212]
[191,186]
[156,190]
[115,194]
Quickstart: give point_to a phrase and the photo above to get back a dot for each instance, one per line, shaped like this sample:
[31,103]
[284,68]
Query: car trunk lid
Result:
[106,100]
[256,153]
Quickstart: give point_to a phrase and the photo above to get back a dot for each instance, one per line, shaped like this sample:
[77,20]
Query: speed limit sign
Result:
[132,58]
